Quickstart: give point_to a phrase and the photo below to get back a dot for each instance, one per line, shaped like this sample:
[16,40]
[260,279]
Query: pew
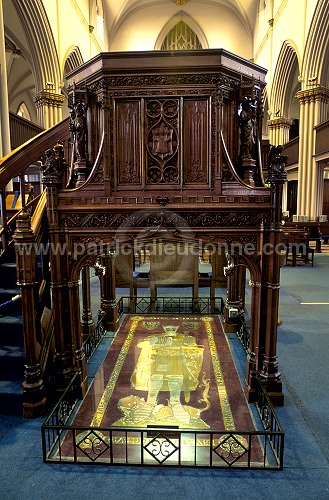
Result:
[296,244]
[314,231]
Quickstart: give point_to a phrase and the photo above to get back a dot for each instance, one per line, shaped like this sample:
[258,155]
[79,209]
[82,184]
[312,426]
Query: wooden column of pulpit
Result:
[87,321]
[109,303]
[218,279]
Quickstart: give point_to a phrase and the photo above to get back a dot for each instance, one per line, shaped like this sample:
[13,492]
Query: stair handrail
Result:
[17,161]
[38,213]
[7,231]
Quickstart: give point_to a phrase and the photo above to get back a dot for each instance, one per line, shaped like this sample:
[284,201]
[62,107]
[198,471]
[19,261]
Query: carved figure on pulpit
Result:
[247,128]
[78,130]
[162,141]
[51,167]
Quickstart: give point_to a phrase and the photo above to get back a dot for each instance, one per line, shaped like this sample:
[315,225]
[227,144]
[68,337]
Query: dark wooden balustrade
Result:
[291,150]
[321,141]
[21,130]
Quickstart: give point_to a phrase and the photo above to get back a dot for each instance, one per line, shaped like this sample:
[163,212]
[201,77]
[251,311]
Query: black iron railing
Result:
[170,305]
[243,334]
[270,421]
[93,340]
[64,442]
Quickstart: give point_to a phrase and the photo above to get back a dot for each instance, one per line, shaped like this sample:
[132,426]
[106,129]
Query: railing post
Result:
[3,219]
[109,304]
[34,399]
[87,321]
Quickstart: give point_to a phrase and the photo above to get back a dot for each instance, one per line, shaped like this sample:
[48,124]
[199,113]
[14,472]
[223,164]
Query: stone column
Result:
[87,321]
[34,399]
[5,146]
[313,110]
[49,108]
[109,303]
[279,130]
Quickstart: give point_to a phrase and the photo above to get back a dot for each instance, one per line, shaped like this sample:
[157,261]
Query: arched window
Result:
[23,111]
[181,37]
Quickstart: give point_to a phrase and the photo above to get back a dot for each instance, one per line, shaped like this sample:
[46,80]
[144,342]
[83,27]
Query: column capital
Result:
[318,93]
[49,99]
[280,122]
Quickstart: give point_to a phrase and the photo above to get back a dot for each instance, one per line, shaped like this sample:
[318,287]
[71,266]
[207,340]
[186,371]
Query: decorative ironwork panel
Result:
[92,444]
[161,122]
[128,152]
[231,448]
[196,141]
[161,448]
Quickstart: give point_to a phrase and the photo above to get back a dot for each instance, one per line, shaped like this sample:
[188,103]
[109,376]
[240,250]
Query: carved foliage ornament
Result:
[139,81]
[166,219]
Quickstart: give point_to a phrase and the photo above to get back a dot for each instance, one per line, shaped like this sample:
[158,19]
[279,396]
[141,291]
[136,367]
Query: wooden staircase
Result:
[11,339]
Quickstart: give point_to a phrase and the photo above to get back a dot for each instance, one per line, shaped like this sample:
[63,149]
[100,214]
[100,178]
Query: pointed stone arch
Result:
[38,31]
[190,22]
[72,60]
[283,81]
[316,54]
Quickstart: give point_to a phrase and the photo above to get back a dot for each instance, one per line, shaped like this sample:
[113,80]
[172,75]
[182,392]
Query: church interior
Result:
[164,207]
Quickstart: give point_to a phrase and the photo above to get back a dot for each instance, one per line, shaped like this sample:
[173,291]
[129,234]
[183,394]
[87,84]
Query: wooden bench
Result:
[296,244]
[313,228]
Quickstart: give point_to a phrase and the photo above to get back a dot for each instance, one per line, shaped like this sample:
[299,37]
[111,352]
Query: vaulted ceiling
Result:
[128,25]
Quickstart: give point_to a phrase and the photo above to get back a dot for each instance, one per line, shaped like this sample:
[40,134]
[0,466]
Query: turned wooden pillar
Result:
[218,279]
[241,282]
[61,312]
[52,178]
[232,303]
[269,371]
[254,354]
[80,364]
[109,303]
[87,321]
[34,399]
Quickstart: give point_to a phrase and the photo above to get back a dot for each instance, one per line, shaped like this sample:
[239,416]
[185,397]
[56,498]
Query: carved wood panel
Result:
[196,141]
[162,131]
[128,154]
